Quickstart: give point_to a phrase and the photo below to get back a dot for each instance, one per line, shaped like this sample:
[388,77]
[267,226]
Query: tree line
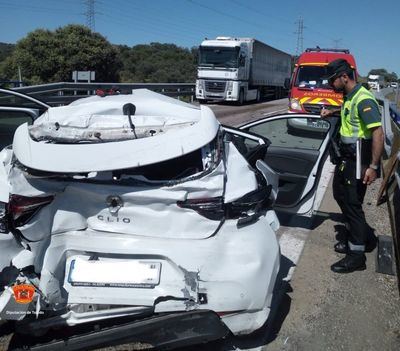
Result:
[389,77]
[45,56]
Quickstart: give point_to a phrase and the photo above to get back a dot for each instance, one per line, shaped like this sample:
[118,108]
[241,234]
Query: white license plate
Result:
[318,124]
[114,273]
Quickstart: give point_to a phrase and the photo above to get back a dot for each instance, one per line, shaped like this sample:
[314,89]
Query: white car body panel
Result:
[234,265]
[4,184]
[199,128]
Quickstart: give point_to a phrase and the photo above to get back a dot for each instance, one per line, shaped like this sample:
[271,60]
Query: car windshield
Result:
[218,57]
[311,77]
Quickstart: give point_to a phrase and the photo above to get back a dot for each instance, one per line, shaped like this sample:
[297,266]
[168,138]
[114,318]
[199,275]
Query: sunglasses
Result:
[332,79]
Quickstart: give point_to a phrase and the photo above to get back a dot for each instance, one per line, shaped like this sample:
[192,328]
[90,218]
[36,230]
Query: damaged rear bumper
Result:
[162,332]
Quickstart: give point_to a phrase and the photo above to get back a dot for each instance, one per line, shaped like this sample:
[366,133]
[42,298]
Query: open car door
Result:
[299,145]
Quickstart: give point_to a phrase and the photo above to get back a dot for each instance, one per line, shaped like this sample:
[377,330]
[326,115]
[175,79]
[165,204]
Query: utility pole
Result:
[300,37]
[336,43]
[20,76]
[90,14]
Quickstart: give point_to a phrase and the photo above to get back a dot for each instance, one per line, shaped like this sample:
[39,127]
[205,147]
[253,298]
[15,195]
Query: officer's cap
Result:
[336,68]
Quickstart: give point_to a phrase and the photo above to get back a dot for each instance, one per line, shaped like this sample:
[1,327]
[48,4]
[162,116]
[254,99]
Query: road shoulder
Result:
[327,311]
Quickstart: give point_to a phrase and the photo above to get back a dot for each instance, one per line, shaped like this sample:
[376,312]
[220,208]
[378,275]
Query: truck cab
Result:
[376,82]
[309,91]
[240,70]
[223,63]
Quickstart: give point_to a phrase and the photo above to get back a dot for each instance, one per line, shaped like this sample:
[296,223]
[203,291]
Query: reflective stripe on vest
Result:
[352,126]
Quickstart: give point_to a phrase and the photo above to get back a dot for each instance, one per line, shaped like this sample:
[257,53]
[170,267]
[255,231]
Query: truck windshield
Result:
[218,57]
[311,77]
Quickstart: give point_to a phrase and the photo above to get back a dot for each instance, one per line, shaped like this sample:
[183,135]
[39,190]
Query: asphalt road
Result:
[232,115]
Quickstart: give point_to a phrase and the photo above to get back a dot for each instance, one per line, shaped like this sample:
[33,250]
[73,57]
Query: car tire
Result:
[258,98]
[241,98]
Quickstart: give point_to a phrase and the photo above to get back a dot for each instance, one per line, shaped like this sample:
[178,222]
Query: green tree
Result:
[51,56]
[158,63]
[5,50]
[392,77]
[389,77]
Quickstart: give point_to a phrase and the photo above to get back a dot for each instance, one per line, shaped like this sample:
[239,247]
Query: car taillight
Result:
[21,209]
[212,208]
[247,208]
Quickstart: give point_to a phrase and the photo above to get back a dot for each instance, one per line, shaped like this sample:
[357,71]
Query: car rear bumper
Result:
[160,332]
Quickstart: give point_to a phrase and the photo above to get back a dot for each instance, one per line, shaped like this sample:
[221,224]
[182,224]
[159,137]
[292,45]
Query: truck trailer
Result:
[240,69]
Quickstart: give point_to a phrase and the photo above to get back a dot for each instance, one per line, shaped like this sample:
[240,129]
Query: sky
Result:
[368,28]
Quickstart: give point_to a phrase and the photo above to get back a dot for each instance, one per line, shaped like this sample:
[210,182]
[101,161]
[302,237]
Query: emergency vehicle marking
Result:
[325,101]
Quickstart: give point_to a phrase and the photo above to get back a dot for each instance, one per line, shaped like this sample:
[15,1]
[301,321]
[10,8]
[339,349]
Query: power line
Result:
[90,20]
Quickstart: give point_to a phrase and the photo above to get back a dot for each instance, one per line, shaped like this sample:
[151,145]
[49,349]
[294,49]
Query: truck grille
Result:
[312,108]
[215,87]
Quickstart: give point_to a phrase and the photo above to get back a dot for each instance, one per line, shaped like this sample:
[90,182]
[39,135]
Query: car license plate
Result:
[114,273]
[315,123]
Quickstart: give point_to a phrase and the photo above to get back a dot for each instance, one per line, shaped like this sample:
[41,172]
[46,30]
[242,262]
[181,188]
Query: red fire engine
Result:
[309,91]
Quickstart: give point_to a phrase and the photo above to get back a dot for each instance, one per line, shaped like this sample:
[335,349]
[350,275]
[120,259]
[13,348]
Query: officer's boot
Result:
[342,245]
[353,261]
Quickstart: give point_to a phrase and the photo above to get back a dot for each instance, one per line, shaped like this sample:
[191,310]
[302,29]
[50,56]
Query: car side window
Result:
[294,132]
[9,121]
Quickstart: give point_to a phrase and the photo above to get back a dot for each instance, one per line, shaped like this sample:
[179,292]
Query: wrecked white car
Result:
[140,218]
[135,206]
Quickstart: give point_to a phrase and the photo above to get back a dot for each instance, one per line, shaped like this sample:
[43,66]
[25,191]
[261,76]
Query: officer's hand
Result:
[369,176]
[325,113]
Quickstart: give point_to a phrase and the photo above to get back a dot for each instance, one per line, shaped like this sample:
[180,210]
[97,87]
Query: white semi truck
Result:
[376,81]
[241,69]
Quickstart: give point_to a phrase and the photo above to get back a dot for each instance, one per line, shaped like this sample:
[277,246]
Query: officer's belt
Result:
[350,139]
[348,150]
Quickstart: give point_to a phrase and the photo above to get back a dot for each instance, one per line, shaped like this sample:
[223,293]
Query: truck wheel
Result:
[241,98]
[258,98]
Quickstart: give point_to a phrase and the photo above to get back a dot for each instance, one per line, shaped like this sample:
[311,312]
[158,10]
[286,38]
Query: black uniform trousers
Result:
[349,193]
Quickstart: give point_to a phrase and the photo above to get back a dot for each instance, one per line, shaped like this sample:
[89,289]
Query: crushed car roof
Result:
[94,134]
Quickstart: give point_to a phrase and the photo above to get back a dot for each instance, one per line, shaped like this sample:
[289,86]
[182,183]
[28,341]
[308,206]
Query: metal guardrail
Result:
[64,92]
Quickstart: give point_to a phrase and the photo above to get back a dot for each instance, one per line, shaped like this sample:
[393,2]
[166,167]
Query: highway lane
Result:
[232,115]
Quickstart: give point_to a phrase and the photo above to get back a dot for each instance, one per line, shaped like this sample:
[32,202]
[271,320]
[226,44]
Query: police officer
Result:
[360,123]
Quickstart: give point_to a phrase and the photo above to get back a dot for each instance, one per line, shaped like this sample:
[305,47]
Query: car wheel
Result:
[241,98]
[258,98]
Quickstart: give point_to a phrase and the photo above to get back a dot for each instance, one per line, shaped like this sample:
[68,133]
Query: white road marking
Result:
[326,174]
[292,244]
[293,239]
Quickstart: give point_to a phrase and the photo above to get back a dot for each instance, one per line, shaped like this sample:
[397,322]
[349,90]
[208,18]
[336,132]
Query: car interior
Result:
[292,154]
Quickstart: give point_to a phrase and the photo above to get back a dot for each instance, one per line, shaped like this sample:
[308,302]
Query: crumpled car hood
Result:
[103,139]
